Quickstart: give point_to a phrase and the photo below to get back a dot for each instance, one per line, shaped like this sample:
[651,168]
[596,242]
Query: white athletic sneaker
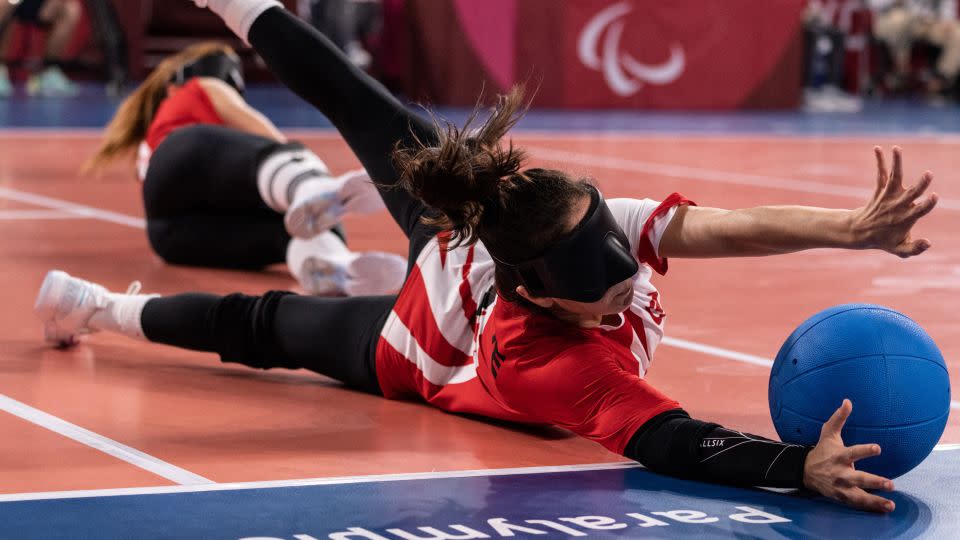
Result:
[66,304]
[324,266]
[319,206]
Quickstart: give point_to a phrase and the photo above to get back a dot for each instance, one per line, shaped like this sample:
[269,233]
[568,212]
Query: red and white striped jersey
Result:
[451,342]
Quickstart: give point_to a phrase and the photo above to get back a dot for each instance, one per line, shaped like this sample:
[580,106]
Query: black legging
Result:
[202,203]
[336,337]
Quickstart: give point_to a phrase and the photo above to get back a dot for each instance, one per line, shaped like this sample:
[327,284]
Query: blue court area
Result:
[625,502]
[92,109]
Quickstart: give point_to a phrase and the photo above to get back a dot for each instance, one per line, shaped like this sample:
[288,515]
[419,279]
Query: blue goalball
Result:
[885,363]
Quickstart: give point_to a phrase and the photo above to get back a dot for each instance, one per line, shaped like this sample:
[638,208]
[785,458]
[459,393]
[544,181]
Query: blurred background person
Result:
[899,24]
[824,61]
[348,23]
[59,18]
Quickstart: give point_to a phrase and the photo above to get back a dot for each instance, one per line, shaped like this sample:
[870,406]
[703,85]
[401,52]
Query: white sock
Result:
[240,14]
[291,173]
[122,314]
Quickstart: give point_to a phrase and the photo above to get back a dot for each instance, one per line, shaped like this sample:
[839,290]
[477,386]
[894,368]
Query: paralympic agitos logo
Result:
[599,49]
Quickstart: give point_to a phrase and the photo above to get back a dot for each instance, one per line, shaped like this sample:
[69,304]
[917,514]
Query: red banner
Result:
[681,54]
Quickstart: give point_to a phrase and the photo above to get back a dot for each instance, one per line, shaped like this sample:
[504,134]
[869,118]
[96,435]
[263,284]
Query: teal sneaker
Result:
[51,82]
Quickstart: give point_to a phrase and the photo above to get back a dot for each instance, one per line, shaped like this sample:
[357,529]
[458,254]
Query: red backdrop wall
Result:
[681,54]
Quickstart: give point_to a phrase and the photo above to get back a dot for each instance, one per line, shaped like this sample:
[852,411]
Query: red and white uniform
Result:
[510,363]
[190,105]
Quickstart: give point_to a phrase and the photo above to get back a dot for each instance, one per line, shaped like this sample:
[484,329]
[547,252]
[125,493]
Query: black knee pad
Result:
[243,330]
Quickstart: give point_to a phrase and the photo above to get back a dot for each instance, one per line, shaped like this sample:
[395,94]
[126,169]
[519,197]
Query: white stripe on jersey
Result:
[441,278]
[442,284]
[636,347]
[399,337]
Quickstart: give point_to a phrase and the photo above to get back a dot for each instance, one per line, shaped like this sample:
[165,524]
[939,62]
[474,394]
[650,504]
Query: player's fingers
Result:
[896,175]
[859,498]
[881,168]
[867,480]
[833,425]
[860,451]
[911,248]
[917,189]
[924,206]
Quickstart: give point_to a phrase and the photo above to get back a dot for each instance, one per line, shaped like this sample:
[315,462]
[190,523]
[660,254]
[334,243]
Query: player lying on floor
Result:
[212,166]
[529,297]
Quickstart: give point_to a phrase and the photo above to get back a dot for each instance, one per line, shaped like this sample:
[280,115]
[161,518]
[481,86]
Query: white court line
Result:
[733,355]
[336,480]
[99,442]
[72,208]
[15,215]
[711,175]
[717,351]
[946,447]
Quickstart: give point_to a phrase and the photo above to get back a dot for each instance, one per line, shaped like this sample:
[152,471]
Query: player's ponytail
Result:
[476,184]
[129,125]
[462,173]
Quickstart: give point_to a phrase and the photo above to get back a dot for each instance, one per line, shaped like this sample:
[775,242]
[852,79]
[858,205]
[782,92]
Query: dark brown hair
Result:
[476,183]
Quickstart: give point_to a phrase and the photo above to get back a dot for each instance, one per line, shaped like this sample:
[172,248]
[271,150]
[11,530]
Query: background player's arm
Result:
[883,223]
[236,113]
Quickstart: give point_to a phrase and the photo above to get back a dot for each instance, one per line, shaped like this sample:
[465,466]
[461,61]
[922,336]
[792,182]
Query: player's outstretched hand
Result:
[829,468]
[885,222]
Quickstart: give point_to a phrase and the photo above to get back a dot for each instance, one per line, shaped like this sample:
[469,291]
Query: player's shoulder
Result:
[552,374]
[556,357]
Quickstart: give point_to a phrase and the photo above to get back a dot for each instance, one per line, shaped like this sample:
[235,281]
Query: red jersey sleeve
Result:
[586,391]
[644,221]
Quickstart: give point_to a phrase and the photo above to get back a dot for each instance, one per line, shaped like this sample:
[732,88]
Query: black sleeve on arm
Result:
[673,443]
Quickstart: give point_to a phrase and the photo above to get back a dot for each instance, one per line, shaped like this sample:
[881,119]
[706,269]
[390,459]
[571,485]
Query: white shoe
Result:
[321,208]
[66,304]
[315,213]
[324,266]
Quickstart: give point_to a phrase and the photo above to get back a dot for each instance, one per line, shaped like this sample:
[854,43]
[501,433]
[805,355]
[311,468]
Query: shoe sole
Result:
[313,218]
[320,277]
[371,274]
[363,276]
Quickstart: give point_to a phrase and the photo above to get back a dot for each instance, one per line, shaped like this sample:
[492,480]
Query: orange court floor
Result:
[117,413]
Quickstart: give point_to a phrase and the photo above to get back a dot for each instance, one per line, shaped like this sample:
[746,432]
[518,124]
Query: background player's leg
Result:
[203,167]
[242,241]
[203,203]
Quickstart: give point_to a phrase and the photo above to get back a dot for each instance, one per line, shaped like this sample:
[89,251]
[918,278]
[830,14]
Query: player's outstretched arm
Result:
[673,443]
[885,223]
